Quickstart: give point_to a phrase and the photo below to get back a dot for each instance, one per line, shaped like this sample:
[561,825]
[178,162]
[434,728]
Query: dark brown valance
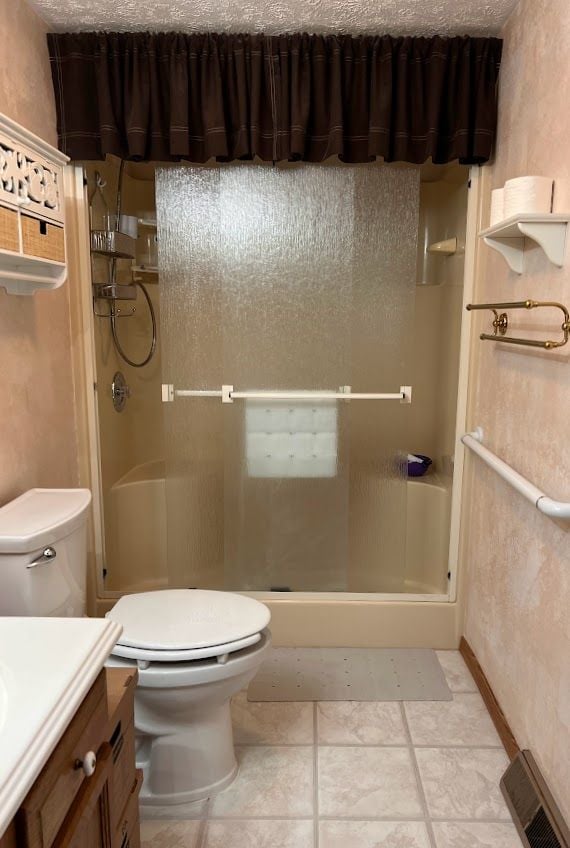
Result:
[172,96]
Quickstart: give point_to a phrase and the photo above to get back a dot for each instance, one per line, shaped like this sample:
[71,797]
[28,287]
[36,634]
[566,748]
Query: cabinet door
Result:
[87,824]
[61,782]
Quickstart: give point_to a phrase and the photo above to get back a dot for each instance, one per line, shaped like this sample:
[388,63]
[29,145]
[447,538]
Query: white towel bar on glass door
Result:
[228,395]
[554,509]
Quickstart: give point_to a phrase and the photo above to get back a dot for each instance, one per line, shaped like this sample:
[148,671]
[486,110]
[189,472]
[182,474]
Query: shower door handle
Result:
[227,394]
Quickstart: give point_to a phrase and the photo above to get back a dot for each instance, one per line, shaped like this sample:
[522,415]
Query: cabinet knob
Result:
[88,763]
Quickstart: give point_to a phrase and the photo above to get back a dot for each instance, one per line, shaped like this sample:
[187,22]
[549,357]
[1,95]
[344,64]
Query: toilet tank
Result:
[43,553]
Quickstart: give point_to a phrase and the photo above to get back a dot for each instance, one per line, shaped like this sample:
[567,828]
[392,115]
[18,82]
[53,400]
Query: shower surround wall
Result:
[134,437]
[517,586]
[438,317]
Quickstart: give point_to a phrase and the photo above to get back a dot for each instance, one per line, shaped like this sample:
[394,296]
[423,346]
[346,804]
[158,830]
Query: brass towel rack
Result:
[501,322]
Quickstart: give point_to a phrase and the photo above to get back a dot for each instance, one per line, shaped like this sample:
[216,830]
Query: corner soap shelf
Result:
[508,237]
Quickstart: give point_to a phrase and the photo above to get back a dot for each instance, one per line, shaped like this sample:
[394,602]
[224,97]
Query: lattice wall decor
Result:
[32,243]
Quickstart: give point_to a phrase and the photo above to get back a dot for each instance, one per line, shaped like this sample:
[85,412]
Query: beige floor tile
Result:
[366,834]
[272,723]
[272,781]
[173,834]
[249,833]
[367,782]
[463,783]
[174,812]
[463,721]
[475,835]
[360,723]
[457,674]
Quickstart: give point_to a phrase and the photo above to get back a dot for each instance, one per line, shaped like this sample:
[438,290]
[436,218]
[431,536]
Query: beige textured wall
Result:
[37,425]
[518,561]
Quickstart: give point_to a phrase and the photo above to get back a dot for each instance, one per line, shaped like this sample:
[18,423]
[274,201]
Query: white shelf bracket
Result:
[551,237]
[508,237]
[512,249]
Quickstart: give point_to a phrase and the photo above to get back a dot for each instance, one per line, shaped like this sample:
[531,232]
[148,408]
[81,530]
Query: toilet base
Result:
[191,764]
[183,723]
[200,794]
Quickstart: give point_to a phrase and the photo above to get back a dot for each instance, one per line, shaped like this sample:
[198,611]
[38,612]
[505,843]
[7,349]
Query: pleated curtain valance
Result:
[173,96]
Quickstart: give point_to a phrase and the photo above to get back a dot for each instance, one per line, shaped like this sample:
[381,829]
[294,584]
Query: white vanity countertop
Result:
[47,666]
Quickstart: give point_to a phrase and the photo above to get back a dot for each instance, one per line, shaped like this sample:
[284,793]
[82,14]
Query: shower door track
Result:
[228,394]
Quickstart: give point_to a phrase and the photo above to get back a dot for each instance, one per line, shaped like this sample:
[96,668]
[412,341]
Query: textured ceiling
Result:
[398,17]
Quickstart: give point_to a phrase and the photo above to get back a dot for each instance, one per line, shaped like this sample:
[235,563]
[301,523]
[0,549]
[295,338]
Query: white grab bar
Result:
[554,509]
[228,395]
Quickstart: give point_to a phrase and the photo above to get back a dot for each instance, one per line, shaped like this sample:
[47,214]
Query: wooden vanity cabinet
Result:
[81,801]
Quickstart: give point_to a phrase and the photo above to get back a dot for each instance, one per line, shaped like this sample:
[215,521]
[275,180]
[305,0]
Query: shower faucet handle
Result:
[120,391]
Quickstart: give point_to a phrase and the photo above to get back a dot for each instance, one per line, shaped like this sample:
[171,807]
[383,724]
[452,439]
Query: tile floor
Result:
[355,775]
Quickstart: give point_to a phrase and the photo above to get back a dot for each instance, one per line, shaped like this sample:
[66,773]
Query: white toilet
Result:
[43,553]
[194,649]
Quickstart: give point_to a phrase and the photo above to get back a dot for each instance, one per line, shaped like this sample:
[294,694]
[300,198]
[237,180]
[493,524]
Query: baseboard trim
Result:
[499,719]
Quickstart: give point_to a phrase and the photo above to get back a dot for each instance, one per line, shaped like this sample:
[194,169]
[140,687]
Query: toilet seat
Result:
[217,651]
[176,675]
[184,625]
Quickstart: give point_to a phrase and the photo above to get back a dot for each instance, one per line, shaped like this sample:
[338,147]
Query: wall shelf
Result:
[32,212]
[113,244]
[21,274]
[547,230]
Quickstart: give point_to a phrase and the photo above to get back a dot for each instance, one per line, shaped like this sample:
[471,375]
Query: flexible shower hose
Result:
[117,343]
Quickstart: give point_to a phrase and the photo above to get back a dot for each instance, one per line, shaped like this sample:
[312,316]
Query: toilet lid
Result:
[186,619]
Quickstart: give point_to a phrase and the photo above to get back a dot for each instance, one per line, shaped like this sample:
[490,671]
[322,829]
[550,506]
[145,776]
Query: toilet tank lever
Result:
[48,555]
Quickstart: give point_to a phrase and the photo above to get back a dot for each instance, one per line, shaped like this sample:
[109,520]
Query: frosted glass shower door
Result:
[295,280]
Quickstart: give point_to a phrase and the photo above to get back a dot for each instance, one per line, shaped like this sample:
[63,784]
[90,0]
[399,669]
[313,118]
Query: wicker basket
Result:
[9,230]
[42,239]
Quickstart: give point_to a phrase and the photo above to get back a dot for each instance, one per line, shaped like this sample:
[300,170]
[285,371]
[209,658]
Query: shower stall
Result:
[309,338]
